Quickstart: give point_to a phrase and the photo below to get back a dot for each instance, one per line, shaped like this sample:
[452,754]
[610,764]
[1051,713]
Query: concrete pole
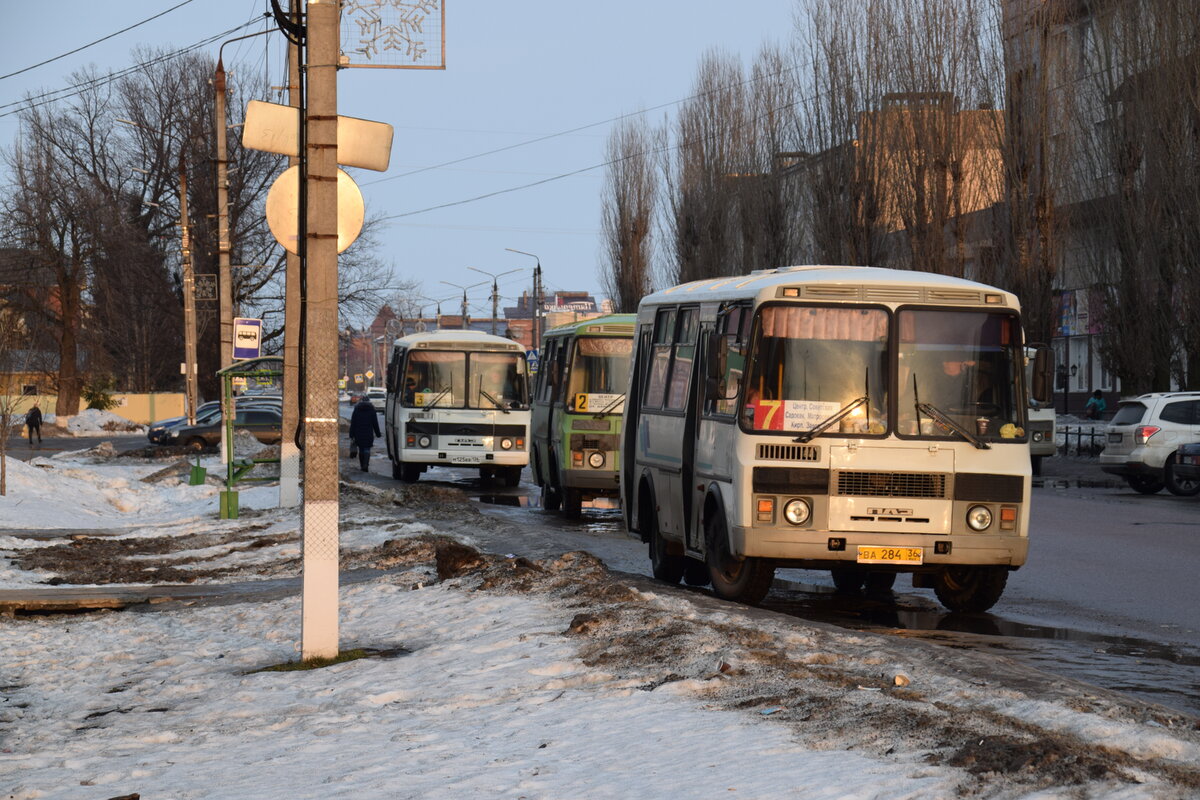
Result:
[189,298]
[289,454]
[225,273]
[320,579]
[495,304]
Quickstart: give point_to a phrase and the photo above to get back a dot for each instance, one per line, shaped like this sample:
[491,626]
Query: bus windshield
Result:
[810,364]
[599,374]
[960,364]
[498,381]
[454,379]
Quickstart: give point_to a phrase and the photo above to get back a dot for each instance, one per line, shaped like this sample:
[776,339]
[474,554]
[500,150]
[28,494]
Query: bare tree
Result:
[627,214]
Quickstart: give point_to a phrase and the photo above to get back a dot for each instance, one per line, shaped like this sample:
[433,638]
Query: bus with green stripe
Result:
[578,400]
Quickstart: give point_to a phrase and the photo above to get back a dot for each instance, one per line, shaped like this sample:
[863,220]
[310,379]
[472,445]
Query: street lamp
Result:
[495,291]
[537,299]
[464,297]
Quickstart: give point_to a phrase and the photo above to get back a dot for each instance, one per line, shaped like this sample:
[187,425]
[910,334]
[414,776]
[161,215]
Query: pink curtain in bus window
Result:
[828,324]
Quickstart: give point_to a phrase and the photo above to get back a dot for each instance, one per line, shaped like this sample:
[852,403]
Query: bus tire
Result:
[970,590]
[572,503]
[848,580]
[665,566]
[880,583]
[512,476]
[695,573]
[410,473]
[745,580]
[1036,463]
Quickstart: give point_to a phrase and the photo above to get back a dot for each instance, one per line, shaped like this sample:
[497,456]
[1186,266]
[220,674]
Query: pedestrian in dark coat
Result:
[364,427]
[33,422]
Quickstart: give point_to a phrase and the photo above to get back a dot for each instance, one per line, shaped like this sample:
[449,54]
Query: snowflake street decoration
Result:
[394,33]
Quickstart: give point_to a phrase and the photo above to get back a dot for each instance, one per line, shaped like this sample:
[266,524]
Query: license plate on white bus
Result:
[471,459]
[890,555]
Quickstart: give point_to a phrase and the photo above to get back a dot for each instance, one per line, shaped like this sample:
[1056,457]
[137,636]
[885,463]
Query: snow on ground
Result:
[504,678]
[94,422]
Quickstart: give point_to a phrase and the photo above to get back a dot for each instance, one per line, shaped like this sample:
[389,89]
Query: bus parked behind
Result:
[578,400]
[866,421]
[457,398]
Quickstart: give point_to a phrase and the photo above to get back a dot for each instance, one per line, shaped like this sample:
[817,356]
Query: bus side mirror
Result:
[1042,390]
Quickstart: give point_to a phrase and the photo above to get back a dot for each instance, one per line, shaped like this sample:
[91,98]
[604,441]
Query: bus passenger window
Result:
[660,358]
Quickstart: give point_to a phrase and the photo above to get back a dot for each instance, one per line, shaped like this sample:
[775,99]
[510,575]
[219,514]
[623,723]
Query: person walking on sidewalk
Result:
[364,427]
[33,424]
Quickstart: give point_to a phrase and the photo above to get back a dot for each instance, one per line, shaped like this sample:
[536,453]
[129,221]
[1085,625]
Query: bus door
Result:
[691,500]
[542,416]
[629,430]
[666,445]
[393,385]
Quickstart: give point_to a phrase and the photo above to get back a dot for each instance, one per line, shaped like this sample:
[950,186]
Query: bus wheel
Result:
[880,583]
[1036,463]
[970,589]
[410,473]
[848,580]
[666,567]
[512,476]
[397,470]
[572,505]
[746,580]
[695,573]
[551,498]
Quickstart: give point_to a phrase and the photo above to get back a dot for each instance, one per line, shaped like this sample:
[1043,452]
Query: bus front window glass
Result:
[809,363]
[435,377]
[964,365]
[599,374]
[499,380]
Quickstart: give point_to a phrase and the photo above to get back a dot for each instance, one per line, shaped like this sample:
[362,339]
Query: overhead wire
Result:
[98,41]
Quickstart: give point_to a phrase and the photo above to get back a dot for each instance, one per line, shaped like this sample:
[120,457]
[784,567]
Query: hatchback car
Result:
[264,421]
[378,397]
[1144,437]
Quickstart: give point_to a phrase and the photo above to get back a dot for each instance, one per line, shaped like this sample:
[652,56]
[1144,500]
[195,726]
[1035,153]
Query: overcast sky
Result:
[515,71]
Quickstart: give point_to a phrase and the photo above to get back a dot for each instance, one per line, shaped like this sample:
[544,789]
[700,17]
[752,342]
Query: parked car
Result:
[264,421]
[1144,439]
[378,397]
[159,427]
[1187,461]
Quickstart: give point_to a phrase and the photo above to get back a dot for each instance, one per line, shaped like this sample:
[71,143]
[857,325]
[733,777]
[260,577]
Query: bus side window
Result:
[682,356]
[542,384]
[660,358]
[733,331]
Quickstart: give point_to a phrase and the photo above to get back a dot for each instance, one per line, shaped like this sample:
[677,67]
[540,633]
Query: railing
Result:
[1087,441]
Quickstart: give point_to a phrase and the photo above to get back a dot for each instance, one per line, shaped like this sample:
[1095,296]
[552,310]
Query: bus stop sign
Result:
[247,337]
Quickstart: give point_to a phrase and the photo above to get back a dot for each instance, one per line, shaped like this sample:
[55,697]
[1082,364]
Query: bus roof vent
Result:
[612,329]
[789,452]
[892,294]
[944,295]
[831,292]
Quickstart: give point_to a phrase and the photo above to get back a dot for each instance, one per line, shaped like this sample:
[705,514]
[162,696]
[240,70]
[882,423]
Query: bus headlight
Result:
[506,443]
[979,518]
[596,459]
[797,511]
[424,442]
[1038,436]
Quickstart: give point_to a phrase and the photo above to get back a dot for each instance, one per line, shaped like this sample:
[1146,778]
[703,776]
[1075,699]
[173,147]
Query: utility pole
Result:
[320,573]
[537,299]
[225,273]
[189,297]
[289,453]
[495,291]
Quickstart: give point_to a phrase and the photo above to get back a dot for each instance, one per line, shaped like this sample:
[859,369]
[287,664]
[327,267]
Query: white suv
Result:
[1143,437]
[378,397]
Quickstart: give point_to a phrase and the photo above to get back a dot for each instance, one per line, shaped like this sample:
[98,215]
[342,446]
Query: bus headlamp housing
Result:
[979,518]
[506,443]
[797,511]
[595,459]
[424,441]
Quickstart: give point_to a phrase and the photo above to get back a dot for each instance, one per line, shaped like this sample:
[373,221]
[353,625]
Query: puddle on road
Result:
[1154,671]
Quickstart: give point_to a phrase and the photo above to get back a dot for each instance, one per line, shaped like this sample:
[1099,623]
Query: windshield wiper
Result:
[494,401]
[604,412]
[438,398]
[946,421]
[829,421]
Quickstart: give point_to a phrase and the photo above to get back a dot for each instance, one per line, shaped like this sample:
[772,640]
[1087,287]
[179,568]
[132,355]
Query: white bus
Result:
[861,420]
[457,399]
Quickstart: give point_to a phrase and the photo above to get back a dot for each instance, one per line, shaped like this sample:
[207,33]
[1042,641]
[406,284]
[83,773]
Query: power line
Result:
[98,41]
[35,101]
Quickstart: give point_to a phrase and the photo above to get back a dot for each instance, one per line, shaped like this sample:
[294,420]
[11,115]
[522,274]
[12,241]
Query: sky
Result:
[515,72]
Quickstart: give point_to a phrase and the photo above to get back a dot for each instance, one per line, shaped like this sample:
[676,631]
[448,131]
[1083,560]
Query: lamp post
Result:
[537,299]
[495,291]
[464,297]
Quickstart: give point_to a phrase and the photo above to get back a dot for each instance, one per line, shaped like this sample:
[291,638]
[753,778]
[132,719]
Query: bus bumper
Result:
[600,481]
[812,549]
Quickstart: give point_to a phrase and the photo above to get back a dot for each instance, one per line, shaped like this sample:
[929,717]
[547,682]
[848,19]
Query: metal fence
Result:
[1080,441]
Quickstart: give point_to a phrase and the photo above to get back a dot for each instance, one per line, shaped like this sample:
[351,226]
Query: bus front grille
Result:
[891,484]
[789,452]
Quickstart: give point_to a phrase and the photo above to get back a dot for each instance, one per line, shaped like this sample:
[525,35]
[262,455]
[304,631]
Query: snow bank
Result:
[93,422]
